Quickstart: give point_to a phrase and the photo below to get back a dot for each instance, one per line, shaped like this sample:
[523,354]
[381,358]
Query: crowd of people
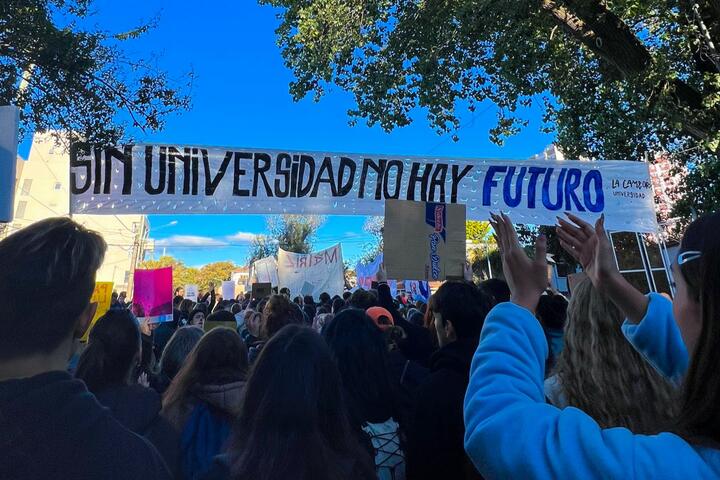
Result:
[501,379]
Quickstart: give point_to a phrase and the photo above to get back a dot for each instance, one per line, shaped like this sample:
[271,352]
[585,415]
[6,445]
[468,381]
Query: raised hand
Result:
[589,246]
[526,277]
[381,274]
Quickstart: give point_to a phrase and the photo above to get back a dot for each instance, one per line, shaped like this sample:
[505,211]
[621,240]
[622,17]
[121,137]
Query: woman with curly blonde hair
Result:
[601,373]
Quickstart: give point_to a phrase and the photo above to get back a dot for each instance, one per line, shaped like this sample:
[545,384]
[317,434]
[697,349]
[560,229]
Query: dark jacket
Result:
[220,469]
[224,398]
[52,427]
[204,423]
[435,438]
[138,409]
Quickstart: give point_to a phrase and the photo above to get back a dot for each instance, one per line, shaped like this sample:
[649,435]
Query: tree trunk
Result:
[603,32]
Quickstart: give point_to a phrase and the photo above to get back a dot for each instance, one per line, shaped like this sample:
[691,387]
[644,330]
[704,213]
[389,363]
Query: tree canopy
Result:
[214,273]
[615,79]
[64,74]
[292,233]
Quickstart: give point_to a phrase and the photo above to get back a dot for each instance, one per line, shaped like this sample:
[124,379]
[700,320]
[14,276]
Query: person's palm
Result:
[589,246]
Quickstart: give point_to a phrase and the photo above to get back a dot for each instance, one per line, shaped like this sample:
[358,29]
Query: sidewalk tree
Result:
[67,74]
[615,80]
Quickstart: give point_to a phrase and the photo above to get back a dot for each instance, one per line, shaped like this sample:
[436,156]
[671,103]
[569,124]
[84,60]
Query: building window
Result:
[27,183]
[20,212]
[58,185]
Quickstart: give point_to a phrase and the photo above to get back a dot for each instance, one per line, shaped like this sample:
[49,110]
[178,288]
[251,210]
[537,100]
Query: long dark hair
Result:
[360,350]
[112,351]
[219,357]
[699,420]
[293,423]
[178,348]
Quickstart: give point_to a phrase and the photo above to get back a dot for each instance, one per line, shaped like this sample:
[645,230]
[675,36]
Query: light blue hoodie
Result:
[511,433]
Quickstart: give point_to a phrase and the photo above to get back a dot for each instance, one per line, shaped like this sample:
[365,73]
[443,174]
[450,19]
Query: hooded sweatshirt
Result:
[435,438]
[138,409]
[511,432]
[204,422]
[52,427]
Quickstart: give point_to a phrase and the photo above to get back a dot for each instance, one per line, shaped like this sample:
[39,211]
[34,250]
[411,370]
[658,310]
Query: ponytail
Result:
[114,344]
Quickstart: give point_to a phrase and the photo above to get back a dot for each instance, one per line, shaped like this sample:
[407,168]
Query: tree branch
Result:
[603,32]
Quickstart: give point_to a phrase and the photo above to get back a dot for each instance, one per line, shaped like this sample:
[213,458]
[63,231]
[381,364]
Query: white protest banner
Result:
[424,241]
[152,179]
[9,116]
[228,290]
[191,292]
[312,273]
[266,271]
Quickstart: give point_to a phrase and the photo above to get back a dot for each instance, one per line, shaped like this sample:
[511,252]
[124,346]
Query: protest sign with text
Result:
[424,241]
[312,273]
[151,179]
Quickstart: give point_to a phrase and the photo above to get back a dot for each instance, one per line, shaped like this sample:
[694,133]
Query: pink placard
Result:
[153,295]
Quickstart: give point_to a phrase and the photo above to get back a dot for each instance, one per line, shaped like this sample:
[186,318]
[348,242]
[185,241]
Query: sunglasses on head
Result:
[688,256]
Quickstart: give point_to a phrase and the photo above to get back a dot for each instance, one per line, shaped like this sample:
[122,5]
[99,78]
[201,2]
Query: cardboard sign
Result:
[102,295]
[153,295]
[191,292]
[261,290]
[228,290]
[161,178]
[424,241]
[312,273]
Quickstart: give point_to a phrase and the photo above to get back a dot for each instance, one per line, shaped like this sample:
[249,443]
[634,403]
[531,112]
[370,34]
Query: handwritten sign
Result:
[313,273]
[424,241]
[190,179]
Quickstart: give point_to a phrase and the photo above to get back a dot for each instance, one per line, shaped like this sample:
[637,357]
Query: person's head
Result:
[253,320]
[298,300]
[59,258]
[177,300]
[197,317]
[220,354]
[497,289]
[202,307]
[236,308]
[112,352]
[337,305]
[363,299]
[114,298]
[308,300]
[186,306]
[123,296]
[459,309]
[179,292]
[285,291]
[277,313]
[346,296]
[601,373]
[552,311]
[178,348]
[382,318]
[696,309]
[360,349]
[293,421]
[325,298]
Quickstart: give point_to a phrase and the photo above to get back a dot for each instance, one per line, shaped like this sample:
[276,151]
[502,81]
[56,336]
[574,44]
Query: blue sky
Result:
[240,98]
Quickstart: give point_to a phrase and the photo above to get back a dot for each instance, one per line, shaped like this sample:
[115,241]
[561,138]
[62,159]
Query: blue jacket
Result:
[657,337]
[510,432]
